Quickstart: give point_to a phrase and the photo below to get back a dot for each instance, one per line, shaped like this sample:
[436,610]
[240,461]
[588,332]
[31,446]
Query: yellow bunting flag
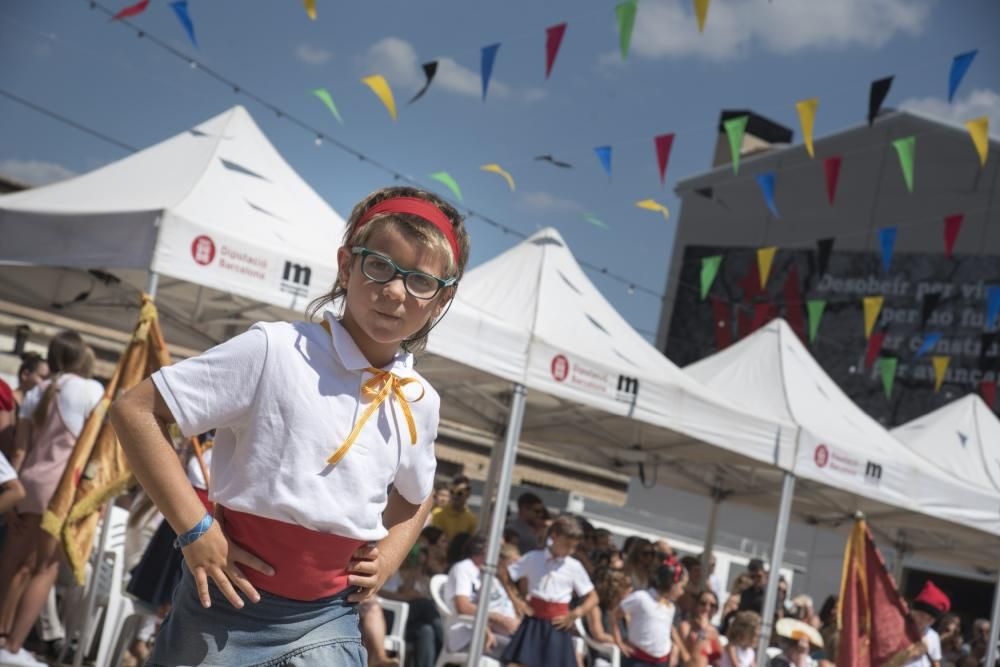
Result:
[979,129]
[380,87]
[940,368]
[873,306]
[653,205]
[765,257]
[497,169]
[310,8]
[807,118]
[701,11]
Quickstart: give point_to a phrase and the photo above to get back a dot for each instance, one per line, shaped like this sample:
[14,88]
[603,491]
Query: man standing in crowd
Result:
[456,517]
[530,521]
[752,599]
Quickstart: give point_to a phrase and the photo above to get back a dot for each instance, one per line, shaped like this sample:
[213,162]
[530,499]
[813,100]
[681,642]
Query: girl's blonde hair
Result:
[415,228]
[568,526]
[743,626]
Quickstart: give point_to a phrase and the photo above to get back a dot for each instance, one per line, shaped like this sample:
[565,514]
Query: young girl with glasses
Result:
[649,615]
[315,421]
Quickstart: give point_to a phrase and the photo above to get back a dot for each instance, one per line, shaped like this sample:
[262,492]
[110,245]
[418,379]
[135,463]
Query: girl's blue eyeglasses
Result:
[380,269]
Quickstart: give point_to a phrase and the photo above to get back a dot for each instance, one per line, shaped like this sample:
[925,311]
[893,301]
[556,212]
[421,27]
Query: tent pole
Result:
[991,648]
[486,504]
[709,546]
[777,556]
[152,283]
[489,568]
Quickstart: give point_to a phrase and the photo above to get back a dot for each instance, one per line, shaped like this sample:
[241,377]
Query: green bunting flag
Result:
[594,220]
[324,95]
[815,308]
[887,367]
[735,127]
[445,178]
[906,148]
[625,11]
[709,269]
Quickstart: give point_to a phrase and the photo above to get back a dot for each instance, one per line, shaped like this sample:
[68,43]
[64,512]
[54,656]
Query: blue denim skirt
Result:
[274,632]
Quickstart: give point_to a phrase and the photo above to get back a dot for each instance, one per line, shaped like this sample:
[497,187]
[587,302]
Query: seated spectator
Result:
[950,631]
[529,522]
[743,635]
[456,517]
[828,629]
[687,604]
[602,539]
[732,605]
[795,639]
[699,635]
[612,586]
[640,562]
[752,599]
[462,593]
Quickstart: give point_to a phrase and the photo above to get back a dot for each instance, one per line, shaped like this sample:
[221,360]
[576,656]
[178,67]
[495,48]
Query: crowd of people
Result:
[557,575]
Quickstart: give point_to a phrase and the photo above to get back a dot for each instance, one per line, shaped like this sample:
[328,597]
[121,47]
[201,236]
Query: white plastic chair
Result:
[608,651]
[395,636]
[449,617]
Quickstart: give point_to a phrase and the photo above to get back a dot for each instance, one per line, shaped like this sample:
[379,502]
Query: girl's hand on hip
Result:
[214,555]
[367,572]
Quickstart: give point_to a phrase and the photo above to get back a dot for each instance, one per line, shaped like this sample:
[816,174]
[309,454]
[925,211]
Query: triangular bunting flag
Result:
[445,178]
[180,8]
[735,128]
[823,249]
[874,347]
[831,166]
[876,96]
[709,269]
[553,39]
[979,130]
[887,367]
[625,13]
[497,169]
[928,305]
[872,307]
[489,54]
[310,8]
[765,257]
[952,225]
[807,119]
[815,308]
[989,392]
[663,142]
[962,437]
[604,155]
[707,192]
[701,12]
[653,205]
[430,70]
[959,66]
[381,88]
[887,240]
[992,305]
[131,10]
[930,340]
[594,220]
[906,148]
[766,183]
[940,363]
[324,95]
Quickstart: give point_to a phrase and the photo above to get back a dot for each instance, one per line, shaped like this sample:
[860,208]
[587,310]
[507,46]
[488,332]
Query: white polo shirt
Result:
[933,642]
[283,397]
[76,399]
[7,473]
[465,578]
[551,579]
[649,622]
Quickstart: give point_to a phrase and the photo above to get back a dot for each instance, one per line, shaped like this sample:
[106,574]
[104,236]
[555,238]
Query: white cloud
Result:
[543,201]
[980,102]
[35,172]
[667,28]
[313,55]
[397,61]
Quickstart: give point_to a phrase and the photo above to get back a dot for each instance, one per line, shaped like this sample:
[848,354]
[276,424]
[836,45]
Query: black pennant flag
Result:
[876,97]
[430,69]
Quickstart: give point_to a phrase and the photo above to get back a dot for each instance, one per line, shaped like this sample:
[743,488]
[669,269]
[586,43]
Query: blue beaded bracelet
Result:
[190,536]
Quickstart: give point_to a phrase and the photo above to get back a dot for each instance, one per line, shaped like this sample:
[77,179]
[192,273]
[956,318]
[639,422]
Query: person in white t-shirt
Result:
[743,634]
[52,416]
[929,605]
[462,593]
[649,616]
[323,463]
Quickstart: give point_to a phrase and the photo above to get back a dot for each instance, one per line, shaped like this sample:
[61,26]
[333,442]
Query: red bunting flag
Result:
[664,142]
[989,392]
[553,39]
[874,347]
[952,225]
[832,167]
[131,10]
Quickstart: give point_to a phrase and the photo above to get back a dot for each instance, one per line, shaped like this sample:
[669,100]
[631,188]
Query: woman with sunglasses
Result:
[700,636]
[641,562]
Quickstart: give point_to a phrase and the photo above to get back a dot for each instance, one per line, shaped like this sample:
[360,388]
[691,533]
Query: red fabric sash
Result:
[308,565]
[639,654]
[203,497]
[548,610]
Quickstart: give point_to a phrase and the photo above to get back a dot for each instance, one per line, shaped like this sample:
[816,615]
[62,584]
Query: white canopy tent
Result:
[234,233]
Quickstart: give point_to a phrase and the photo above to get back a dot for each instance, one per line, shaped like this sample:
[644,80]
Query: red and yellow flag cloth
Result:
[97,471]
[875,629]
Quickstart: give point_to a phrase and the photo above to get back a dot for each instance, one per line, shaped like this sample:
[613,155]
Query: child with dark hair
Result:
[649,615]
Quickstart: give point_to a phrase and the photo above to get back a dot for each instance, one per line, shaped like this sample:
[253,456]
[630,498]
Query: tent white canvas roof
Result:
[854,463]
[215,210]
[961,438]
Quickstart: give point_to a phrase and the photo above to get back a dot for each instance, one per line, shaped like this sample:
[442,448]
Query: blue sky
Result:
[757,54]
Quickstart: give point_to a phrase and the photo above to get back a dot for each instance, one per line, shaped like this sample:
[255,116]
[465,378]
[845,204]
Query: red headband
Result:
[421,208]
